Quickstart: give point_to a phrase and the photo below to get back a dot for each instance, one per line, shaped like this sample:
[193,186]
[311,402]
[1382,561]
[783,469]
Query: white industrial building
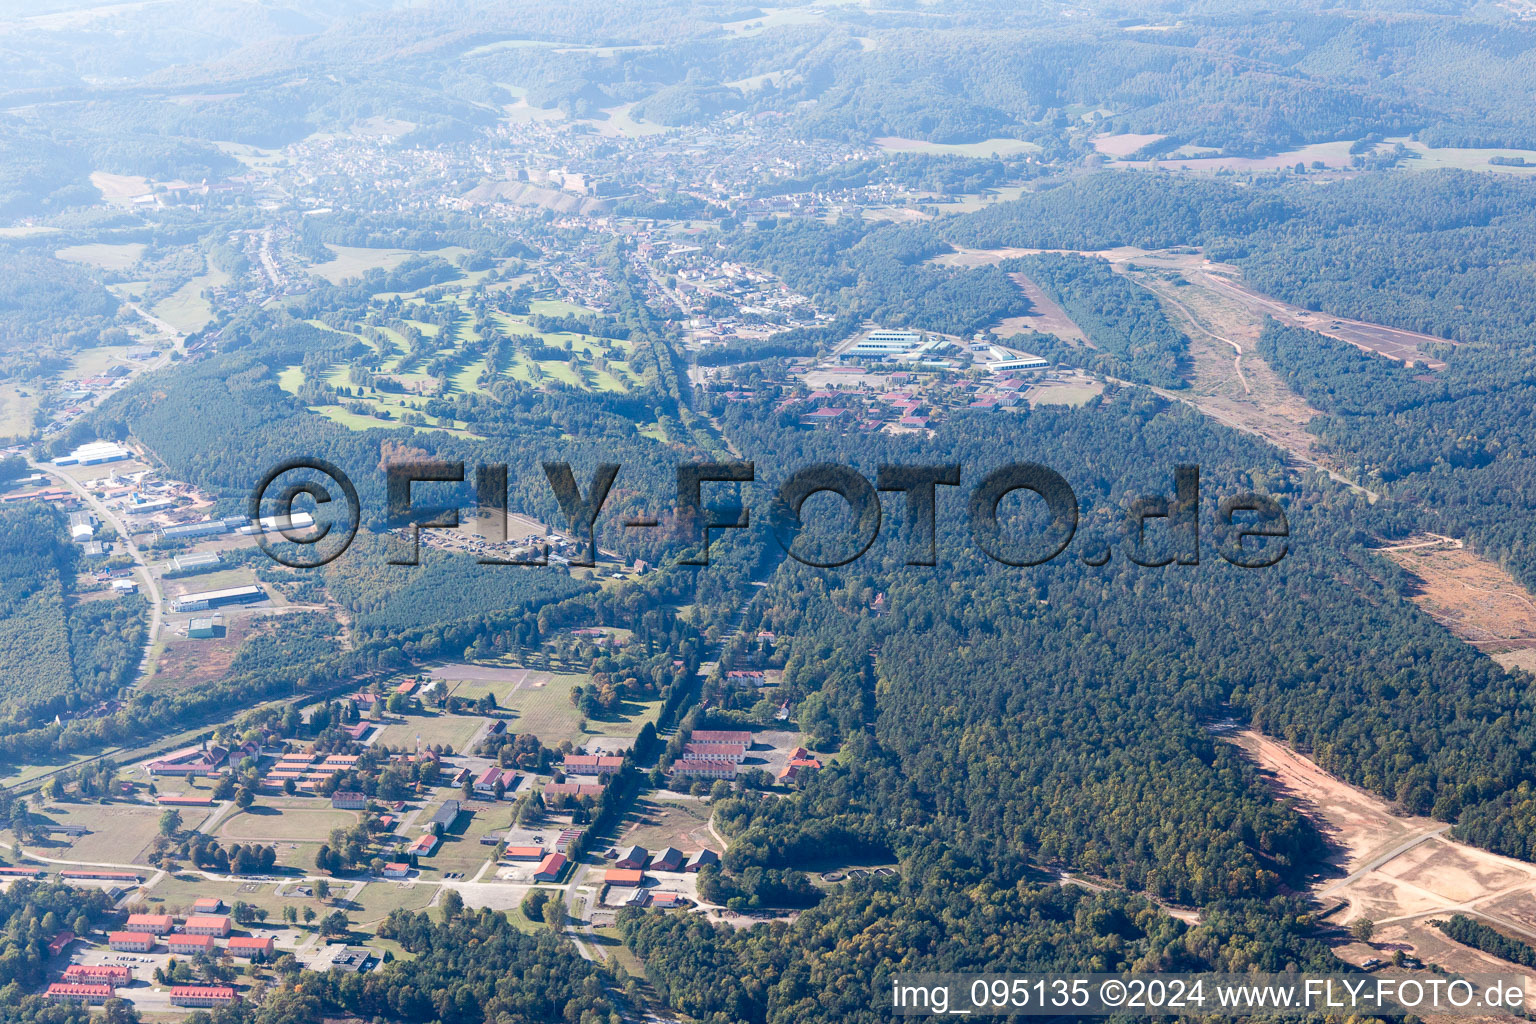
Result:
[884,343]
[94,454]
[217,598]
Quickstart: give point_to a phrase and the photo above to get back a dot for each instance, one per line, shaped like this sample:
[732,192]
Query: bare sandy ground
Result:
[1400,871]
[1473,597]
[1046,317]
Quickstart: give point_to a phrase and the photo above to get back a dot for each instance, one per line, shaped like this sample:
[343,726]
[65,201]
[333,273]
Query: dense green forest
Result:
[1122,320]
[1473,933]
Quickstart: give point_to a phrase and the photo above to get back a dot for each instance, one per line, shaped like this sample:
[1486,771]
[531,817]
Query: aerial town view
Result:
[685,511]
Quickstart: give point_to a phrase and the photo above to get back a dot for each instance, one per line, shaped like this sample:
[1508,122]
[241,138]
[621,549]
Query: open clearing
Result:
[265,823]
[1392,342]
[119,187]
[1473,597]
[103,255]
[1045,316]
[1125,144]
[185,663]
[658,823]
[1399,871]
[455,731]
[120,832]
[986,147]
[354,261]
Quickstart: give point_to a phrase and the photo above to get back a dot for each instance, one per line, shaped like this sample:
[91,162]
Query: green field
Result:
[17,409]
[542,706]
[984,148]
[454,731]
[104,255]
[120,832]
[376,899]
[285,821]
[186,309]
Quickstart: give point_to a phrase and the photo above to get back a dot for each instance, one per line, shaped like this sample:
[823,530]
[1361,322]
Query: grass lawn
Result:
[610,943]
[199,583]
[17,409]
[265,823]
[374,903]
[546,710]
[657,823]
[185,308]
[354,261]
[462,852]
[120,833]
[104,255]
[454,731]
[556,307]
[175,893]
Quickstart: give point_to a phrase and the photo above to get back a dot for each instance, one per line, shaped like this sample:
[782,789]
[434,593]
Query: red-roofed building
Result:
[72,874]
[207,905]
[251,946]
[58,942]
[713,768]
[397,869]
[155,924]
[131,942]
[591,764]
[71,992]
[201,995]
[736,752]
[550,870]
[623,876]
[573,790]
[721,736]
[525,853]
[486,783]
[424,847]
[190,945]
[100,974]
[208,924]
[181,800]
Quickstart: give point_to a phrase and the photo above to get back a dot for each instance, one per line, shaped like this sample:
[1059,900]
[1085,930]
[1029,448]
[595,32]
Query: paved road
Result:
[150,585]
[1380,859]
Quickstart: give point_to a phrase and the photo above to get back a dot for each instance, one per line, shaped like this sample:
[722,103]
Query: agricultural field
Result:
[18,405]
[187,309]
[104,255]
[354,261]
[984,148]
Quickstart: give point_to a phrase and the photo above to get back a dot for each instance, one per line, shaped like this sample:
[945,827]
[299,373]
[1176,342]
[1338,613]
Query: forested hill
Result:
[1441,253]
[1071,716]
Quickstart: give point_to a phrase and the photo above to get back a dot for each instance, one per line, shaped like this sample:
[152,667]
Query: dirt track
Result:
[1398,870]
[1474,598]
